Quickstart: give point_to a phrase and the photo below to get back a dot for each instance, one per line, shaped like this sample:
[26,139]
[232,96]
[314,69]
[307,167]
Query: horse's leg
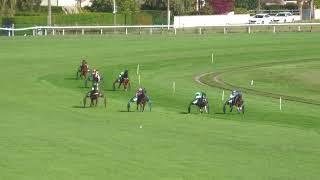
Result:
[84,101]
[189,108]
[91,102]
[143,105]
[85,81]
[114,85]
[96,102]
[129,86]
[205,109]
[201,109]
[125,86]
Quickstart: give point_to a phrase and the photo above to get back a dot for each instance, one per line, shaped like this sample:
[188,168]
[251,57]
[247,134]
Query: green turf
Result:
[45,134]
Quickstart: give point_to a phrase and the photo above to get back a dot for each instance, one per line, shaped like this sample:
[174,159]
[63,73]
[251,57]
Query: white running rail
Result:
[62,29]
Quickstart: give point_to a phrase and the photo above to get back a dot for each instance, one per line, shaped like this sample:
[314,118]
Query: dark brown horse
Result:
[94,96]
[238,102]
[83,71]
[141,102]
[142,99]
[125,82]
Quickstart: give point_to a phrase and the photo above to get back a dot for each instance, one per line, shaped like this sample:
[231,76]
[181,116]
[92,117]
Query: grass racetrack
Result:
[45,134]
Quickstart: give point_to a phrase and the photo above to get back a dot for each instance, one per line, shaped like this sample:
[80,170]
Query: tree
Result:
[28,5]
[222,6]
[154,4]
[247,4]
[7,7]
[102,5]
[127,7]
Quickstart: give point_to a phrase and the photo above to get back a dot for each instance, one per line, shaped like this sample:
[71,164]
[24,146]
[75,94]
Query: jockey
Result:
[233,95]
[123,75]
[199,95]
[140,92]
[94,71]
[94,90]
[96,78]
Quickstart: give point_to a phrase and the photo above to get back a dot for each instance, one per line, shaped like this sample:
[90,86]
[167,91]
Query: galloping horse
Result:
[126,84]
[202,103]
[94,95]
[83,71]
[141,101]
[237,102]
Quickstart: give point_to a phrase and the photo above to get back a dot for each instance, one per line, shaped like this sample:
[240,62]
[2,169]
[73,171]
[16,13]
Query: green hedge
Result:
[140,18]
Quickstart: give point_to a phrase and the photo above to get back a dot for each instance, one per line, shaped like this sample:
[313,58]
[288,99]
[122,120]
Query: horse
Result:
[238,102]
[202,103]
[141,101]
[83,72]
[126,84]
[94,95]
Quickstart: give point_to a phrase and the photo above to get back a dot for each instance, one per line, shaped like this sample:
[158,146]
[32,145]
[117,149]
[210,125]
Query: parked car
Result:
[283,17]
[260,19]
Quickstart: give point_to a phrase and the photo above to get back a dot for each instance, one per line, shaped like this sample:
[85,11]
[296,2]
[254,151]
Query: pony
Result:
[202,103]
[238,102]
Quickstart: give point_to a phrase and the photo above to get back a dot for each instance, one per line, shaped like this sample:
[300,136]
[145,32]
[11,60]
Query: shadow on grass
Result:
[71,79]
[77,106]
[125,111]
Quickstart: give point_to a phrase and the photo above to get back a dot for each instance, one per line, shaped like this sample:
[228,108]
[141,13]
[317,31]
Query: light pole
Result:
[114,13]
[49,12]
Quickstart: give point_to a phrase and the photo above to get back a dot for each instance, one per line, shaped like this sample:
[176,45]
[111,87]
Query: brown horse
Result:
[238,102]
[94,96]
[83,71]
[125,82]
[141,102]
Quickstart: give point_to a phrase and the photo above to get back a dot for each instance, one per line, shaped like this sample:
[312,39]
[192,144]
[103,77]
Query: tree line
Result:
[177,7]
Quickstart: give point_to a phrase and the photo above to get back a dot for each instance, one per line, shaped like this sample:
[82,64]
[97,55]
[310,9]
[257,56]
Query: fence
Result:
[160,29]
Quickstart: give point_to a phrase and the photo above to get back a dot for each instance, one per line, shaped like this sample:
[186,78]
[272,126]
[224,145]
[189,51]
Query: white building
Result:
[67,3]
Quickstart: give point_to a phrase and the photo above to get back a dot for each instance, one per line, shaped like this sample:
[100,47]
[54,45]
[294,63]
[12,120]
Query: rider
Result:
[96,78]
[233,95]
[198,96]
[94,90]
[140,91]
[123,75]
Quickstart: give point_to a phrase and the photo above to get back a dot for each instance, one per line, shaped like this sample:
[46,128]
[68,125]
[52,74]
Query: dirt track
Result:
[217,81]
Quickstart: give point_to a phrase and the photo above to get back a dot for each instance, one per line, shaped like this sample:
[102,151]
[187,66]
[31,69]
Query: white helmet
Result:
[140,89]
